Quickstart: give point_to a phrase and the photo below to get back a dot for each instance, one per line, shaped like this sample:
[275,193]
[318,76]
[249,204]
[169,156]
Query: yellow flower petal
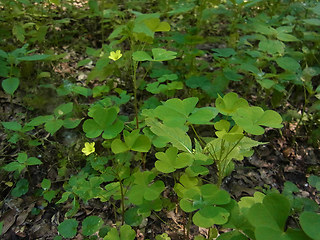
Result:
[88,148]
[115,55]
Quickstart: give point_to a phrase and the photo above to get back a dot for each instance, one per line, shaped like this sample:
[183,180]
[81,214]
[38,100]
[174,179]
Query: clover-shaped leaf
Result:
[170,160]
[104,120]
[160,54]
[206,198]
[224,132]
[144,189]
[229,104]
[132,141]
[210,215]
[141,56]
[126,233]
[250,119]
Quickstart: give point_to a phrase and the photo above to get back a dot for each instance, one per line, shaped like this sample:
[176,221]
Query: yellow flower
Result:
[115,55]
[88,148]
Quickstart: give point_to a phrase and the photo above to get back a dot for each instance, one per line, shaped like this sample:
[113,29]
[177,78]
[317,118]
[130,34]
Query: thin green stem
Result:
[203,144]
[122,202]
[134,79]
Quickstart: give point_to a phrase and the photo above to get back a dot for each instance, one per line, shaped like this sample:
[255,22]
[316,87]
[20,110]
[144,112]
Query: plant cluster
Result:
[130,136]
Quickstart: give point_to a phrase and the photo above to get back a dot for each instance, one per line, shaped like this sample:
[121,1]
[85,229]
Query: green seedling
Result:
[21,163]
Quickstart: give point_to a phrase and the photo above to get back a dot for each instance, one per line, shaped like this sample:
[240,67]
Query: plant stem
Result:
[122,202]
[134,79]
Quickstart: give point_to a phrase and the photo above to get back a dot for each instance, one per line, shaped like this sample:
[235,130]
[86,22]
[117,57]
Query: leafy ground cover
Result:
[159,119]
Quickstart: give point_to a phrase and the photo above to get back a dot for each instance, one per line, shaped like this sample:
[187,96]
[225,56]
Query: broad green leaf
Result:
[10,85]
[233,235]
[63,109]
[117,146]
[170,160]
[104,117]
[86,92]
[288,63]
[36,57]
[314,181]
[68,228]
[203,115]
[21,188]
[229,104]
[160,54]
[53,125]
[46,184]
[126,233]
[223,52]
[176,136]
[266,83]
[1,227]
[265,29]
[285,37]
[113,130]
[91,128]
[71,123]
[250,119]
[40,120]
[153,191]
[14,166]
[14,126]
[210,215]
[272,46]
[33,161]
[22,157]
[91,225]
[312,21]
[211,193]
[141,56]
[310,223]
[156,26]
[19,32]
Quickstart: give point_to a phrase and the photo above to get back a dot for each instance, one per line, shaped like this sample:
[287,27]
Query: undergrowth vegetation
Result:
[117,114]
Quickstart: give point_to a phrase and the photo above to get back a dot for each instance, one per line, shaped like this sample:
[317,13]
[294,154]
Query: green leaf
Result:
[71,123]
[63,109]
[39,120]
[53,125]
[229,104]
[36,57]
[10,85]
[250,119]
[285,37]
[141,56]
[1,227]
[312,21]
[91,128]
[310,223]
[203,115]
[91,225]
[170,160]
[46,184]
[210,215]
[49,195]
[33,161]
[233,235]
[314,181]
[288,63]
[117,146]
[22,187]
[14,166]
[19,32]
[126,233]
[272,46]
[14,126]
[160,54]
[176,136]
[68,228]
[86,92]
